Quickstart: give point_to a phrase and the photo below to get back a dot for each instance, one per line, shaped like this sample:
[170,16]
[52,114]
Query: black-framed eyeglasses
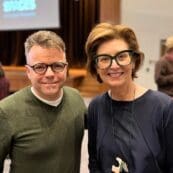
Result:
[41,68]
[122,58]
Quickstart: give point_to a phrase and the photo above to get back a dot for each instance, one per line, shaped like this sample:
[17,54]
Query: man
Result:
[41,126]
[164,69]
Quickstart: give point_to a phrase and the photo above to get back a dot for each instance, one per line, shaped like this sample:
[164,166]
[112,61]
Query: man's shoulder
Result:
[72,95]
[70,91]
[15,98]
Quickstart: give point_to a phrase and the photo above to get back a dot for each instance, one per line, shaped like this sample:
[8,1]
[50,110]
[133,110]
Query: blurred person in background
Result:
[164,69]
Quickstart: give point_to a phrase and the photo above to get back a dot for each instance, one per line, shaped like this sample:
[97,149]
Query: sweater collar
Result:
[54,103]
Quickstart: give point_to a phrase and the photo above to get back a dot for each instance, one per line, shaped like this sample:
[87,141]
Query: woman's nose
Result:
[114,63]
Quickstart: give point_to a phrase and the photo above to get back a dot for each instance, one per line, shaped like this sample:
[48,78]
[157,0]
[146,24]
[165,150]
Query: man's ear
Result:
[27,70]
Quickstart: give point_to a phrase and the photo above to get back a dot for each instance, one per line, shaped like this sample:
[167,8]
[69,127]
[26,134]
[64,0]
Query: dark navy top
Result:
[140,132]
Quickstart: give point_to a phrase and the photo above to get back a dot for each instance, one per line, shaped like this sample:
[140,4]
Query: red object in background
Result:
[4,84]
[4,87]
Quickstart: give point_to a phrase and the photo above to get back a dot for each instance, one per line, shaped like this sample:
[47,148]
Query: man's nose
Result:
[49,71]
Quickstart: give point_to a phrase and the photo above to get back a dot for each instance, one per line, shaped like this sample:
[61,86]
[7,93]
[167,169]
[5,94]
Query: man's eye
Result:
[58,65]
[39,67]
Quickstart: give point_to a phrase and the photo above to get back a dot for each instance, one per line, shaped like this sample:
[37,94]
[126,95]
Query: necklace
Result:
[118,99]
[122,109]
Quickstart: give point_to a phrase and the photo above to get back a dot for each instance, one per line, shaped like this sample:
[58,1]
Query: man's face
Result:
[49,84]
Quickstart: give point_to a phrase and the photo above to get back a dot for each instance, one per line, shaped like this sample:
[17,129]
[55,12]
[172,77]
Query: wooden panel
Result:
[89,87]
[110,11]
[17,77]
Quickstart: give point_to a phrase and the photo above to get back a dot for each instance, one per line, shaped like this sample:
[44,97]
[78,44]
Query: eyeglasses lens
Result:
[40,68]
[103,61]
[123,58]
[58,67]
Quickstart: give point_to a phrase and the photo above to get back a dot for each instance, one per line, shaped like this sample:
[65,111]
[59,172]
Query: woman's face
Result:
[115,75]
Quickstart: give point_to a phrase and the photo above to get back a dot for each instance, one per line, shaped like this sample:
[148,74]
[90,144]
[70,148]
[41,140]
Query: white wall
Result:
[152,20]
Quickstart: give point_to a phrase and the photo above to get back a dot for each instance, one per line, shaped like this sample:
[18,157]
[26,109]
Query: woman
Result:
[130,127]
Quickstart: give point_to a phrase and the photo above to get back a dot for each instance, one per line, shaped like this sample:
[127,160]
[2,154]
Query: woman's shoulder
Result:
[99,100]
[154,97]
[100,97]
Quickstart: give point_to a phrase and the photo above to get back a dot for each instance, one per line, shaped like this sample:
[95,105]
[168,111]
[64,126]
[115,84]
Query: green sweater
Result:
[40,138]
